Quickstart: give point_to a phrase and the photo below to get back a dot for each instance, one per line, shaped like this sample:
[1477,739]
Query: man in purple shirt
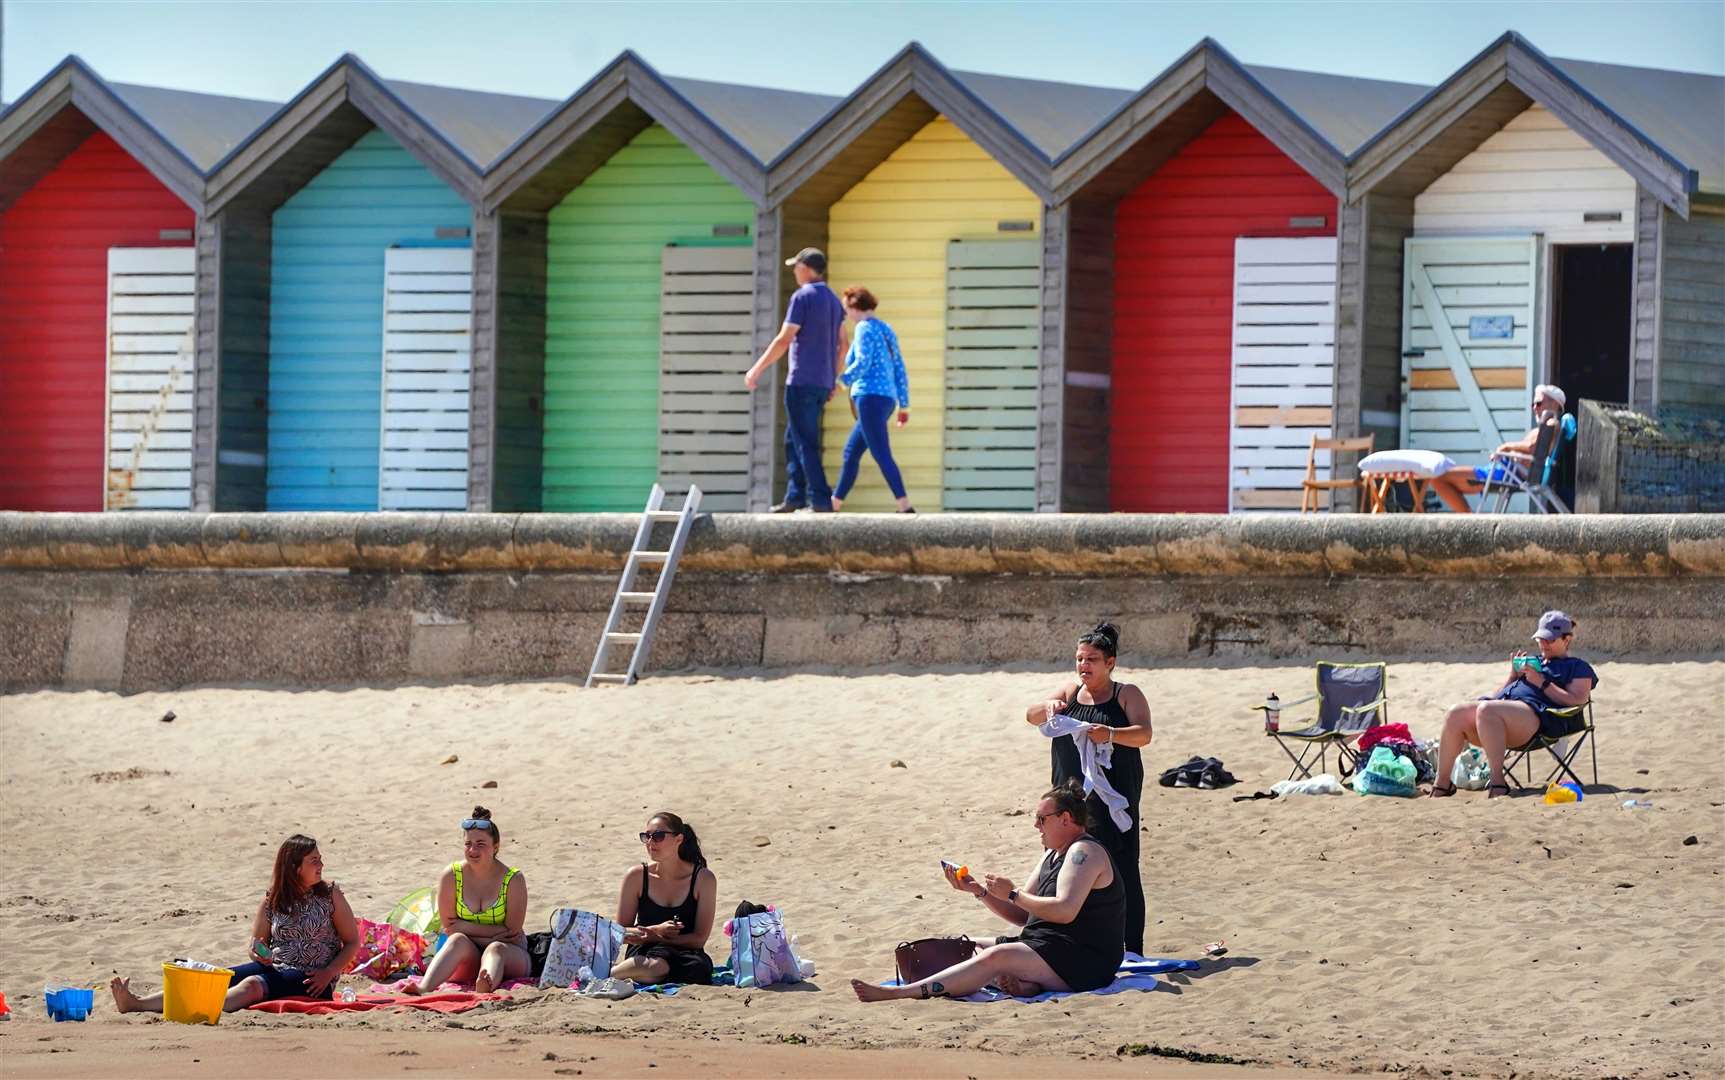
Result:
[814,332]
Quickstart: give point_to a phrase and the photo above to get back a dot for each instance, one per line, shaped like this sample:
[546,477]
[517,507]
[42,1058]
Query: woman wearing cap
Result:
[874,371]
[1457,483]
[482,905]
[1521,707]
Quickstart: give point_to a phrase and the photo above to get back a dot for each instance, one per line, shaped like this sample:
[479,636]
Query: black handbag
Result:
[538,948]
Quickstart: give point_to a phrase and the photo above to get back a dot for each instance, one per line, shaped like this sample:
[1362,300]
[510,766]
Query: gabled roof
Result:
[1666,129]
[175,134]
[452,132]
[1052,115]
[764,121]
[1314,118]
[906,93]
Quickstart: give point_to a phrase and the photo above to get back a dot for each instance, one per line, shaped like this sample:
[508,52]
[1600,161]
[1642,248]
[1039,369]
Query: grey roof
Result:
[480,124]
[764,121]
[203,126]
[1681,111]
[1343,109]
[1052,115]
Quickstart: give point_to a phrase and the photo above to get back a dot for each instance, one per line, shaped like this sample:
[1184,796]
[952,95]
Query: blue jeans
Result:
[873,411]
[805,479]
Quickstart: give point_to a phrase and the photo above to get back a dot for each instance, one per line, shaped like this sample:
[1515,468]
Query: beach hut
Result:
[337,266]
[1534,220]
[100,188]
[928,185]
[625,290]
[1197,319]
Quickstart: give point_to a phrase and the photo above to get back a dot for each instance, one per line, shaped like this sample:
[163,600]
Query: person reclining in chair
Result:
[1073,917]
[1456,484]
[1519,709]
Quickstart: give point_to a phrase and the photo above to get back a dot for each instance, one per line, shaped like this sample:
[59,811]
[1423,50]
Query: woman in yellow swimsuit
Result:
[482,905]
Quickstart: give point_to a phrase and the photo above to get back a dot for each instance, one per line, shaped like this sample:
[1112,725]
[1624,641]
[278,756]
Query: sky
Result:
[270,50]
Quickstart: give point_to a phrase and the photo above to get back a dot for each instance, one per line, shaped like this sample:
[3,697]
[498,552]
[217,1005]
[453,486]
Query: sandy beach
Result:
[1427,937]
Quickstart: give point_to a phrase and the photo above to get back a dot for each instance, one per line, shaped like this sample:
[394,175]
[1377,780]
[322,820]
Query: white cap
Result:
[1552,392]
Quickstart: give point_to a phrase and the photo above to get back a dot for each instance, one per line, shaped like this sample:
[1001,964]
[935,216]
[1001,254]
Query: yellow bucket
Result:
[191,996]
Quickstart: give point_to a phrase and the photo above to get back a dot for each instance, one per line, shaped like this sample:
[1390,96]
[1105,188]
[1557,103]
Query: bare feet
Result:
[871,992]
[483,983]
[411,986]
[1017,987]
[124,1000]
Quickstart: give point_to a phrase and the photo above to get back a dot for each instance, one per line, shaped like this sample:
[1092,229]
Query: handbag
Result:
[538,950]
[580,939]
[917,960]
[762,953]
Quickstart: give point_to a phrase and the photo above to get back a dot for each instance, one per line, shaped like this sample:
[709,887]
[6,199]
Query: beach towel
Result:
[1094,758]
[453,987]
[1136,973]
[452,1002]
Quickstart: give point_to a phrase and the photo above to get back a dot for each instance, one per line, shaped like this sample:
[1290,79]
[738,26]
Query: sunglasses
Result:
[475,823]
[1040,818]
[655,836]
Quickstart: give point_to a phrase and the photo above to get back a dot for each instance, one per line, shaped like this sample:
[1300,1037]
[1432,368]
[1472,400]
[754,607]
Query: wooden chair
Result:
[1310,487]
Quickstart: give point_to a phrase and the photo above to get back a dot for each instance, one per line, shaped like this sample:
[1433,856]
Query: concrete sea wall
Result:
[141,601]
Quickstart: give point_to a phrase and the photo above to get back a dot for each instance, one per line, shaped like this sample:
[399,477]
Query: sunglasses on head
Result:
[655,836]
[475,823]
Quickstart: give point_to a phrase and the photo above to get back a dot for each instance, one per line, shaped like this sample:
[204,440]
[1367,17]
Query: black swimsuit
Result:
[1085,952]
[687,965]
[1126,774]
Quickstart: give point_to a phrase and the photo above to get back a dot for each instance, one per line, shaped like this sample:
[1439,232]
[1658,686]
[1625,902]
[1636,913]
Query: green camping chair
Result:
[1577,724]
[1351,700]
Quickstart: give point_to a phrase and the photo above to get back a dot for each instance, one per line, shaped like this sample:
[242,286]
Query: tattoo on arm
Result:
[1078,858]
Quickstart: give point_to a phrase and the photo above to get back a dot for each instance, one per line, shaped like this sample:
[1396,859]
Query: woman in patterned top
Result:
[303,938]
[482,905]
[874,371]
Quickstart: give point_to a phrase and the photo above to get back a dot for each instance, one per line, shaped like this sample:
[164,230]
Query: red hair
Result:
[860,298]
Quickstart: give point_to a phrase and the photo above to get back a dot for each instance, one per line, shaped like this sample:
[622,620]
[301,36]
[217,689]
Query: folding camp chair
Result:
[1350,701]
[1311,486]
[1511,474]
[1577,724]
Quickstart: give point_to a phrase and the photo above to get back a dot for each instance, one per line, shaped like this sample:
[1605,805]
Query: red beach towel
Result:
[454,1002]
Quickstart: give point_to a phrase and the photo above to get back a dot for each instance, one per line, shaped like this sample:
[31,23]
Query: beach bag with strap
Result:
[761,951]
[580,939]
[386,950]
[917,960]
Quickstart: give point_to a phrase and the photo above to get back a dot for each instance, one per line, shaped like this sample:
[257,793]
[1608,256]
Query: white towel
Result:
[1093,757]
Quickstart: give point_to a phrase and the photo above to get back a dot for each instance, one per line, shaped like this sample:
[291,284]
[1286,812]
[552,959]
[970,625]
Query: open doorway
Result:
[1592,298]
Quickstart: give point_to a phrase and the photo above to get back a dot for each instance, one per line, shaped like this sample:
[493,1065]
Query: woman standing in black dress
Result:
[1121,714]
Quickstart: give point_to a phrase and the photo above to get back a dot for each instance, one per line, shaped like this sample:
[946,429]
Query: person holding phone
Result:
[666,907]
[1519,709]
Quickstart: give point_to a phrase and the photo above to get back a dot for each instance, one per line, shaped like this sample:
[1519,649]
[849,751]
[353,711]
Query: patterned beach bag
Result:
[580,939]
[761,951]
[386,950]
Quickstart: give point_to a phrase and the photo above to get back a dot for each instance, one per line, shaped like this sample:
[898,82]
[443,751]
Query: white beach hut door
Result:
[427,375]
[1283,383]
[1468,332]
[151,328]
[706,304]
[993,338]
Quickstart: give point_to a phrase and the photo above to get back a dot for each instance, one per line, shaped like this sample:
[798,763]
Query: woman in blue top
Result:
[874,371]
[1521,707]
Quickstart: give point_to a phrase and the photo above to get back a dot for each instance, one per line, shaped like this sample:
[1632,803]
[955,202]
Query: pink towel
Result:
[440,1002]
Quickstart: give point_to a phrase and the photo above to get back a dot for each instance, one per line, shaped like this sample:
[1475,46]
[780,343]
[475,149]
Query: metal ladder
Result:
[654,601]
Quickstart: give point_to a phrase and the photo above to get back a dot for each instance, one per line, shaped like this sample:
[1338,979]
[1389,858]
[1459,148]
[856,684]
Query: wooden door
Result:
[1283,383]
[706,303]
[151,344]
[993,333]
[427,374]
[1468,336]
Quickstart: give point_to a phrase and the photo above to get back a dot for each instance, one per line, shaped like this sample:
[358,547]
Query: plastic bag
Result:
[1470,771]
[1322,784]
[386,950]
[1386,773]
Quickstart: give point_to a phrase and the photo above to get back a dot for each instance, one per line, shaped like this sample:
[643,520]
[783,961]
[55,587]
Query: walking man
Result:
[814,334]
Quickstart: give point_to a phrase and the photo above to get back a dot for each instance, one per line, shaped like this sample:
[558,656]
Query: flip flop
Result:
[1441,791]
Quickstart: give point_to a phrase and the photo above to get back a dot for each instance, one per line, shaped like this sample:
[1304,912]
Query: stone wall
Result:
[140,601]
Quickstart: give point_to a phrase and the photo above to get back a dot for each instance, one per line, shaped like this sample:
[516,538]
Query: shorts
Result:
[279,982]
[692,966]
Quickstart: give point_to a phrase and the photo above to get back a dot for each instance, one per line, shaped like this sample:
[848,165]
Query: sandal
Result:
[1441,791]
[1497,791]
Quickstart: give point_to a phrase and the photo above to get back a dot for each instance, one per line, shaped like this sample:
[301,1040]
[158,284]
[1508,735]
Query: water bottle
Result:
[347,995]
[1637,804]
[583,978]
[1272,713]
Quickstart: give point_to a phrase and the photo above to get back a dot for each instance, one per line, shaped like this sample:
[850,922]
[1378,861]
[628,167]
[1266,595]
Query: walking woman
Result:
[482,905]
[667,907]
[1114,718]
[303,937]
[874,371]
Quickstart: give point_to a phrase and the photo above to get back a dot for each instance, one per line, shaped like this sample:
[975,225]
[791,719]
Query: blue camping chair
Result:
[1510,474]
[1351,700]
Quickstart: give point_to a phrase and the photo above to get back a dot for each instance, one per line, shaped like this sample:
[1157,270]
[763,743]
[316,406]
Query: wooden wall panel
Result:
[1644,314]
[1692,311]
[518,464]
[237,316]
[1088,356]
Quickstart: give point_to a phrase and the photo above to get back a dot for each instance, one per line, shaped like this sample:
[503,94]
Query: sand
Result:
[1366,934]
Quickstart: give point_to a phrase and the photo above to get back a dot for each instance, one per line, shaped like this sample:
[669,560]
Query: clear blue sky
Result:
[270,49]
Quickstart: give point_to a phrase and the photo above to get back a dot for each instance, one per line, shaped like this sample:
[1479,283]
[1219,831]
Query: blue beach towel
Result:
[1136,973]
[722,976]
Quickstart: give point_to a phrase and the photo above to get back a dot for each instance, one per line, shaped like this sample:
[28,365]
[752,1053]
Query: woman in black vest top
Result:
[667,907]
[1122,715]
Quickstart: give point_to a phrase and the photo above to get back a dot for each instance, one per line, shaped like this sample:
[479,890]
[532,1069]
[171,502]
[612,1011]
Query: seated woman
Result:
[482,905]
[303,938]
[1073,918]
[667,907]
[1455,485]
[1519,709]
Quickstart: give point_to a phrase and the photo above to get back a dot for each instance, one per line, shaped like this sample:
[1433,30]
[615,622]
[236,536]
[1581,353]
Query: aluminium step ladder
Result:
[628,597]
